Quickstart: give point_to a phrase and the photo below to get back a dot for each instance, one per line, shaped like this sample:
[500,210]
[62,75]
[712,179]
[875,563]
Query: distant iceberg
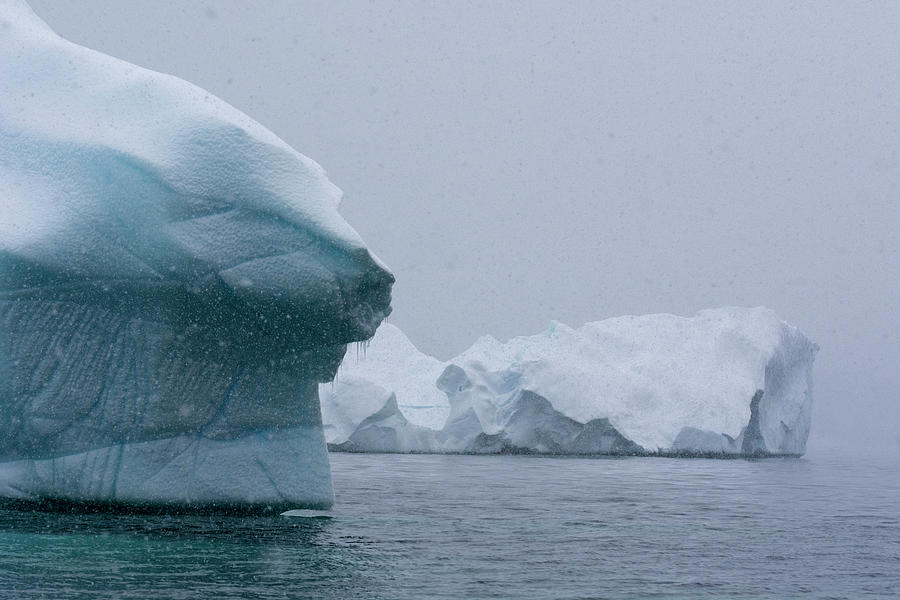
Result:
[175,282]
[373,371]
[729,381]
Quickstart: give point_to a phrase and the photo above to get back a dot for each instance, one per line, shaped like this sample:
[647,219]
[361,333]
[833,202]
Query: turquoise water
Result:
[498,527]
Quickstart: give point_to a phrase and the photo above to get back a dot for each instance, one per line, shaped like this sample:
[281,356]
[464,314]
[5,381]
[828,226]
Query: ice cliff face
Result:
[726,381]
[175,281]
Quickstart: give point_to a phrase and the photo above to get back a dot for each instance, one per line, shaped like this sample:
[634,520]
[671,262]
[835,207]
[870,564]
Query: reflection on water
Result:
[115,556]
[511,527]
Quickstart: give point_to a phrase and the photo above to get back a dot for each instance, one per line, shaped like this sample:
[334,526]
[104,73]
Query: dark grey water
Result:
[498,527]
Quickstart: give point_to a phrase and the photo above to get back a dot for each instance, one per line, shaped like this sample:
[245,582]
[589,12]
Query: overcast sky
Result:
[520,162]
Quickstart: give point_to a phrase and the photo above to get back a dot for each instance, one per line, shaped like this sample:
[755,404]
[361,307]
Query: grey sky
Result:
[520,162]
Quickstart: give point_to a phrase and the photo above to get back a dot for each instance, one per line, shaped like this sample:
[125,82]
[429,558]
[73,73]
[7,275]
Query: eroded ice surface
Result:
[175,281]
[726,381]
[388,364]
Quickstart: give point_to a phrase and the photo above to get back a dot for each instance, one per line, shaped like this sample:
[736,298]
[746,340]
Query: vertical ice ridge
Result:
[265,471]
[118,469]
[753,442]
[219,415]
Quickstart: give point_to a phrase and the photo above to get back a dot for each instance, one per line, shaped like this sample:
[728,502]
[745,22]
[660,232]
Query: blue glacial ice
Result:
[175,282]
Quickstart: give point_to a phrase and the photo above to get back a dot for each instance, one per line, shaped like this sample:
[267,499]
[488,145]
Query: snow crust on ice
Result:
[726,381]
[169,270]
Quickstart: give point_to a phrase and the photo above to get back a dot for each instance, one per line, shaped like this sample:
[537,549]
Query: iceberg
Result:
[175,283]
[386,365]
[725,382]
[388,430]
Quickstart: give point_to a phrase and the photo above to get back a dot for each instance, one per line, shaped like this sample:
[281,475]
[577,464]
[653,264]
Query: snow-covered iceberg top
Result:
[114,173]
[726,381]
[175,281]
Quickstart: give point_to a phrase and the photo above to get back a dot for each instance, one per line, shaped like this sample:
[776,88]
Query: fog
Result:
[516,163]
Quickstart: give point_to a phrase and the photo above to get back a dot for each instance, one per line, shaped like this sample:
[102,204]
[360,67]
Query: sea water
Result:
[498,527]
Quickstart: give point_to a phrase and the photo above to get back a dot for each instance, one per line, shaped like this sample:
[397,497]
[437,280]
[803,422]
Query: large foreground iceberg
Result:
[175,282]
[730,381]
